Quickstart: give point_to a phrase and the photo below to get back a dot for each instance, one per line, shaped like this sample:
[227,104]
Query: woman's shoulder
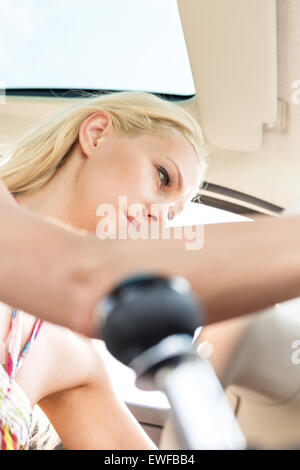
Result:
[61,359]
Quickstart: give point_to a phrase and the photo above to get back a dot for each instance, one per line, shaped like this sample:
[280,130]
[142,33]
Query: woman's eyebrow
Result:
[180,177]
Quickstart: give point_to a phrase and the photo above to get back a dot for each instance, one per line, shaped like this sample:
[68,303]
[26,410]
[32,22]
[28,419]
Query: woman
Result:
[126,144]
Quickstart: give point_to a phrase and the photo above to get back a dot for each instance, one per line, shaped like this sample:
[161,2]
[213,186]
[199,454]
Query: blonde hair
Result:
[36,157]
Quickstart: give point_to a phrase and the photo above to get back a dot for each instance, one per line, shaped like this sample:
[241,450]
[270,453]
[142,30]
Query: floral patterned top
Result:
[15,407]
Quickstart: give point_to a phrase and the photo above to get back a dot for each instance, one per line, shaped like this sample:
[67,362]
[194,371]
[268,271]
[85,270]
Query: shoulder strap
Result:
[15,355]
[31,340]
[14,342]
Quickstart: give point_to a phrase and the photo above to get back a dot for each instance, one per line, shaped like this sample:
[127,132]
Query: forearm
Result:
[91,417]
[249,266]
[241,268]
[60,276]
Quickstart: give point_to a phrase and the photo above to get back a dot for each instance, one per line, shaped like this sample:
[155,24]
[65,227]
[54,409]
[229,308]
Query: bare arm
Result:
[242,267]
[91,417]
[60,276]
[83,406]
[225,337]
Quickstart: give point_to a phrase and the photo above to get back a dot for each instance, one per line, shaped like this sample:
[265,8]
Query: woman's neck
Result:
[55,198]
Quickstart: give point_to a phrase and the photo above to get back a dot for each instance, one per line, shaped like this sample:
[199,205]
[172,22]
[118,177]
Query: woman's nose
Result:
[152,218]
[174,210]
[161,212]
[171,213]
[153,214]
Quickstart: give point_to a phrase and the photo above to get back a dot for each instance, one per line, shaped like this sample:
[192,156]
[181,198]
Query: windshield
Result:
[95,44]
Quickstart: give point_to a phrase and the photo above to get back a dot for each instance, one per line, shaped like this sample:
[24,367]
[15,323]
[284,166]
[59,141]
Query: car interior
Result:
[234,66]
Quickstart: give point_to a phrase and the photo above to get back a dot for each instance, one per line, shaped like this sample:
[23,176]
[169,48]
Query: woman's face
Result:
[122,171]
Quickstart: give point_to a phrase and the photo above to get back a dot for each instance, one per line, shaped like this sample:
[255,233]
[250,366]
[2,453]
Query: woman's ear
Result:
[92,130]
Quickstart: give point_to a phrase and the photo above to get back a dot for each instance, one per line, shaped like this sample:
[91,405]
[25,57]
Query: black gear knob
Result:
[148,324]
[144,310]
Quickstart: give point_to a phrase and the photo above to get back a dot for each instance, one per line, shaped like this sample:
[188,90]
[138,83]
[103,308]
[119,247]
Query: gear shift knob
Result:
[144,310]
[148,323]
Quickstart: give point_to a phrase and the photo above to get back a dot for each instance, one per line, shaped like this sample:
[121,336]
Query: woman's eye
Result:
[164,176]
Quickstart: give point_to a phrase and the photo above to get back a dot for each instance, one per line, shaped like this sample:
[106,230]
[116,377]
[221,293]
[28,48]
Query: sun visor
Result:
[232,46]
